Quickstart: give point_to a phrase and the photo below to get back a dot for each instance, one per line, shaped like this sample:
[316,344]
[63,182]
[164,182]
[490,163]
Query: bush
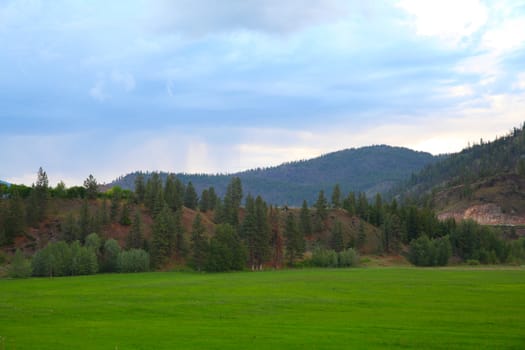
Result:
[329,258]
[20,266]
[133,260]
[61,259]
[426,252]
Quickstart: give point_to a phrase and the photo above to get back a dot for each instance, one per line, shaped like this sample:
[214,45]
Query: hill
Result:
[4,183]
[485,182]
[373,169]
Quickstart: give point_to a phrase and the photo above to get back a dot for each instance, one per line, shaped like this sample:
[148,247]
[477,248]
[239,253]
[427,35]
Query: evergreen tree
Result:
[70,230]
[170,192]
[212,198]
[249,230]
[306,222]
[204,202]
[320,212]
[190,197]
[91,186]
[14,224]
[226,251]
[84,221]
[349,204]
[163,237]
[103,216]
[336,241]
[135,239]
[39,198]
[361,235]
[199,244]
[336,197]
[153,188]
[232,202]
[140,188]
[179,245]
[115,205]
[124,217]
[262,239]
[294,239]
[276,239]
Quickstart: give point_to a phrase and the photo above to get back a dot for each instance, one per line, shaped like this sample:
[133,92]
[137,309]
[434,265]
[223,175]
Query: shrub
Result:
[133,260]
[20,266]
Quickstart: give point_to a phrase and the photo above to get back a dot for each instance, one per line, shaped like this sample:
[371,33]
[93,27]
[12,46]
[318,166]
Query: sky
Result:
[206,86]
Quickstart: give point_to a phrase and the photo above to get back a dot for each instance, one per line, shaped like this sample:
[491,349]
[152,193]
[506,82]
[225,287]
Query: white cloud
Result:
[97,91]
[450,20]
[520,82]
[508,36]
[124,79]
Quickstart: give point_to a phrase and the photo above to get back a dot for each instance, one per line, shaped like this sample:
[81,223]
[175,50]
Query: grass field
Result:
[366,308]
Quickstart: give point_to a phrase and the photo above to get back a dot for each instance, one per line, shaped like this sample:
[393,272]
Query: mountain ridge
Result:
[370,169]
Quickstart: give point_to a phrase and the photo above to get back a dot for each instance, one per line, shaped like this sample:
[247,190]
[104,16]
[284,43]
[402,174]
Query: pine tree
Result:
[361,235]
[69,229]
[204,201]
[191,199]
[306,222]
[14,224]
[124,216]
[170,192]
[163,236]
[179,244]
[262,239]
[336,197]
[115,205]
[199,244]
[321,212]
[294,239]
[91,186]
[135,239]
[84,221]
[212,198]
[336,241]
[39,198]
[276,239]
[140,188]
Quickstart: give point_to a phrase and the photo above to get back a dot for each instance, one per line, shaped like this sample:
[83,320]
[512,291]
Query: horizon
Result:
[104,89]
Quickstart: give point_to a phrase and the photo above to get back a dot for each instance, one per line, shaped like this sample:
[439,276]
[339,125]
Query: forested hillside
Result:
[485,182]
[373,169]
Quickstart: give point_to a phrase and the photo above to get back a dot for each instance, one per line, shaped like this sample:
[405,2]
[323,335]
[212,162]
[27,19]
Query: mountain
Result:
[373,169]
[5,183]
[484,182]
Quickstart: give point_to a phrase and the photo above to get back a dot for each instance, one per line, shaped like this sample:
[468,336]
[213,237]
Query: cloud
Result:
[202,17]
[123,79]
[449,20]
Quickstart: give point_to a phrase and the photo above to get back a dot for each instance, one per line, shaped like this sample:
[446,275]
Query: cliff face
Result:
[485,214]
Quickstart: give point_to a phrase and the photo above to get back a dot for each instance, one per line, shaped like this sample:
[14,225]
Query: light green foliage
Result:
[330,258]
[133,260]
[394,308]
[110,256]
[20,266]
[61,259]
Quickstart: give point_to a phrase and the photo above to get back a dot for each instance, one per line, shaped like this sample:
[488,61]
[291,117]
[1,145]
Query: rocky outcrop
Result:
[485,214]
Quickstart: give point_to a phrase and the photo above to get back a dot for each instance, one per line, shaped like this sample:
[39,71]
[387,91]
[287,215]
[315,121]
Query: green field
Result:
[366,308]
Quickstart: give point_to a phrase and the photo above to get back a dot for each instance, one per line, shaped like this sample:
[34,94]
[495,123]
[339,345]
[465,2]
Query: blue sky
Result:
[109,87]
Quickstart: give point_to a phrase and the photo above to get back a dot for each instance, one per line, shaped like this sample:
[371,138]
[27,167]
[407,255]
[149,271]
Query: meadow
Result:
[362,308]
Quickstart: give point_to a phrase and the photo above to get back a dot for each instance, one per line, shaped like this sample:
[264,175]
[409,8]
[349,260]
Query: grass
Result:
[367,308]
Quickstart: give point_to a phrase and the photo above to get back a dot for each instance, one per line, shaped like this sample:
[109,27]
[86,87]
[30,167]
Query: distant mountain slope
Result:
[485,182]
[4,183]
[369,169]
